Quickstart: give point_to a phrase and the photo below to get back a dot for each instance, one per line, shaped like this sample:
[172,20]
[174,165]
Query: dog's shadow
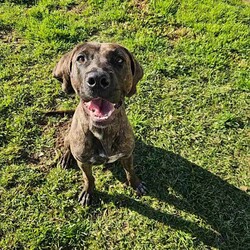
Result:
[172,179]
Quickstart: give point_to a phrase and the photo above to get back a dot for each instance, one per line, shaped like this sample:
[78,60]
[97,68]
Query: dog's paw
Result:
[141,189]
[65,160]
[85,198]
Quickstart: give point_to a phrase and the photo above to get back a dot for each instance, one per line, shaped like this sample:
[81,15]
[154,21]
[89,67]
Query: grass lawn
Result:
[190,116]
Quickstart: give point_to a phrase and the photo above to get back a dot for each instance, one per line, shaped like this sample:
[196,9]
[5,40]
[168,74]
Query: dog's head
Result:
[102,74]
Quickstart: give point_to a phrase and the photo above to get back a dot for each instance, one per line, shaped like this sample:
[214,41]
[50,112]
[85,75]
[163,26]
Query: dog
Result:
[102,75]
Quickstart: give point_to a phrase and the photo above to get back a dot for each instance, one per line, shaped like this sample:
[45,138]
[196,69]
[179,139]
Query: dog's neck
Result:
[108,135]
[97,132]
[108,131]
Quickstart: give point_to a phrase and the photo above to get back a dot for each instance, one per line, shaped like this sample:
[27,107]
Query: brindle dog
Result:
[102,75]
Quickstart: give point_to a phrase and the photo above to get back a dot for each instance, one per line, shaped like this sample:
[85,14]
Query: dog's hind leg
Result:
[67,157]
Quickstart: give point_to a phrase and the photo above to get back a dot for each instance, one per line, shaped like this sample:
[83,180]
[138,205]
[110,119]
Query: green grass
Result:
[190,117]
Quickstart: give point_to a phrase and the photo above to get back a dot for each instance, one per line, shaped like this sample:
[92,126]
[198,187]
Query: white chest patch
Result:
[114,158]
[98,135]
[103,158]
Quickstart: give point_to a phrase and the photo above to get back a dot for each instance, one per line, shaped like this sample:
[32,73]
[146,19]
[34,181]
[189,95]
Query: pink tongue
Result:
[100,107]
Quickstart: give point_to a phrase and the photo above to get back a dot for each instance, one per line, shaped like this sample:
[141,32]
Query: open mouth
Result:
[100,110]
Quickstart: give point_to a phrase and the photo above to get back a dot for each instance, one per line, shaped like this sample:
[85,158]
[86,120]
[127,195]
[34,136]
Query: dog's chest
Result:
[103,158]
[104,150]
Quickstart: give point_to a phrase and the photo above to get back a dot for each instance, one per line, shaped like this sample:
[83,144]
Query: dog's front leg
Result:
[85,197]
[132,179]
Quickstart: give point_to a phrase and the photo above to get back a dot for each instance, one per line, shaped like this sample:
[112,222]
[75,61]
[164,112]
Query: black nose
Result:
[97,79]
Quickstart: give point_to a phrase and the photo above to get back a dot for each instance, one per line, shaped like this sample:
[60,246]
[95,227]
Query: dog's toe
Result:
[85,198]
[141,189]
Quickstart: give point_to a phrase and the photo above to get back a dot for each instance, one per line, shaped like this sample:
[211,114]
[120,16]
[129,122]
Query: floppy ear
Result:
[62,72]
[137,73]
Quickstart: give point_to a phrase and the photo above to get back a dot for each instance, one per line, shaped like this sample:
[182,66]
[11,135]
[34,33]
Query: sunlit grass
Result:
[190,117]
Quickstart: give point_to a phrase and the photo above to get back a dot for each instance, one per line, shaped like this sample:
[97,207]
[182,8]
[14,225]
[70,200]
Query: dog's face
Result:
[102,74]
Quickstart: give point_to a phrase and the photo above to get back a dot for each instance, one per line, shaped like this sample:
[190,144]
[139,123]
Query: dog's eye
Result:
[81,59]
[119,60]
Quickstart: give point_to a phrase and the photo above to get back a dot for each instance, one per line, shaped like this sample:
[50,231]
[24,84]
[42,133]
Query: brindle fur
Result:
[88,143]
